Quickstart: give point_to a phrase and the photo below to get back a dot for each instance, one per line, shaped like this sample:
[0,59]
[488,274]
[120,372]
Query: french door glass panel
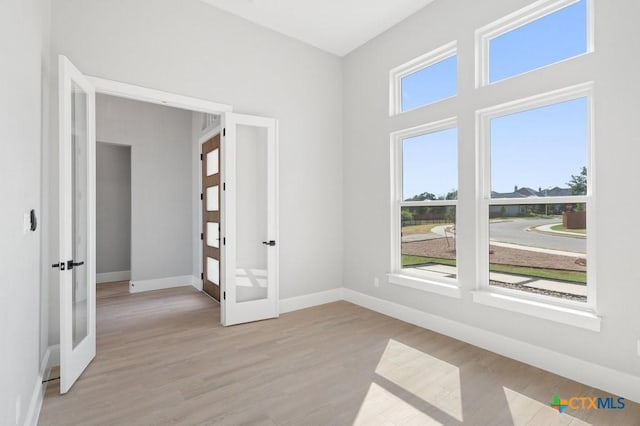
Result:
[79,187]
[251,184]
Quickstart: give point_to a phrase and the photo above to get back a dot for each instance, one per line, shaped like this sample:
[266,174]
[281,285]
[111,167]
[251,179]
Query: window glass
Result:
[429,239]
[539,248]
[430,84]
[547,40]
[430,166]
[540,152]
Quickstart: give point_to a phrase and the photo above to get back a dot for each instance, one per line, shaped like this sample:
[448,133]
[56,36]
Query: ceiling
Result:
[336,26]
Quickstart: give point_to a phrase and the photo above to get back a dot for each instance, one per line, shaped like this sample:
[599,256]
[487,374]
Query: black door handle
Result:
[269,243]
[71,264]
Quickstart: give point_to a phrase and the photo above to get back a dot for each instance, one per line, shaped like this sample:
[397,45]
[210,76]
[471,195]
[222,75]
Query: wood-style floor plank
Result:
[163,358]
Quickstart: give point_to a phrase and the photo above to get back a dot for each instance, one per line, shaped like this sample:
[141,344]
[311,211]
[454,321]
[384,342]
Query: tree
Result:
[578,183]
[422,197]
[406,215]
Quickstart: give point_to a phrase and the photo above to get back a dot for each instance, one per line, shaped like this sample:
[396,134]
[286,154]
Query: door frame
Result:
[154,96]
[144,94]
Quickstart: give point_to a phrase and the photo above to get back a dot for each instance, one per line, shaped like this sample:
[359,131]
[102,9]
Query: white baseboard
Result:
[160,283]
[54,356]
[196,282]
[309,300]
[107,277]
[594,375]
[35,405]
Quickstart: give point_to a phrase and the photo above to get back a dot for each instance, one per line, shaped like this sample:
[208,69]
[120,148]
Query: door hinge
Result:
[202,275]
[224,295]
[201,236]
[224,131]
[201,158]
[224,186]
[224,241]
[201,196]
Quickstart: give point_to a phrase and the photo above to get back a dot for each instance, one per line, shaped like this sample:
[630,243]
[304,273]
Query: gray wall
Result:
[23,33]
[613,68]
[160,140]
[113,207]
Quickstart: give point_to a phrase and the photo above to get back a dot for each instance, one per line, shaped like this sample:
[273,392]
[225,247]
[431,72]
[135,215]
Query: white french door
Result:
[77,223]
[249,219]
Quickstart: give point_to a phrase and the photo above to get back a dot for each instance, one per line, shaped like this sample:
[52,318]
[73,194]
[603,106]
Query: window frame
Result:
[517,19]
[424,61]
[484,200]
[407,277]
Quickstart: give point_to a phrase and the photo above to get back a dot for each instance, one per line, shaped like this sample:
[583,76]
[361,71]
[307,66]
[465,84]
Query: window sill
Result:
[570,316]
[424,284]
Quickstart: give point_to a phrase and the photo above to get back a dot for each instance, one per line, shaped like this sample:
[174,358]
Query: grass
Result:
[530,217]
[419,229]
[410,260]
[559,227]
[576,277]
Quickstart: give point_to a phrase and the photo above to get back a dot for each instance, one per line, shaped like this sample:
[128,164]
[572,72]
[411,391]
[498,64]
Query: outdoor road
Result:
[514,231]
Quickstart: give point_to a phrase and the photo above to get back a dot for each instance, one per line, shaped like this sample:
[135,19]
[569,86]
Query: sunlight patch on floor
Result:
[428,378]
[525,410]
[381,407]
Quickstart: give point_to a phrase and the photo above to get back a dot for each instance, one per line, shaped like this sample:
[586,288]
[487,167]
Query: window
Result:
[426,167]
[537,194]
[520,230]
[424,80]
[532,38]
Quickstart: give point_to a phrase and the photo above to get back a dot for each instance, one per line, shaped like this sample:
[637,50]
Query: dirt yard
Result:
[499,255]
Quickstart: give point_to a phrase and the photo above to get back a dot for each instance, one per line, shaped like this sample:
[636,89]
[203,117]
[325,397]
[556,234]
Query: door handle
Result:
[269,243]
[71,264]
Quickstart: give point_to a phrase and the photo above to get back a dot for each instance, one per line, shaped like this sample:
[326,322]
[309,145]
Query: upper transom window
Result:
[427,79]
[534,37]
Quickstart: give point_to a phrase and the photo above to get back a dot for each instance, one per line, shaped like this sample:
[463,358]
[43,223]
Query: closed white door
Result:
[249,219]
[77,223]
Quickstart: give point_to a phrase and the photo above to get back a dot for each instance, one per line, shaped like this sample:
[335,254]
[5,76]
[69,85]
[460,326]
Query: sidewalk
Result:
[537,283]
[546,229]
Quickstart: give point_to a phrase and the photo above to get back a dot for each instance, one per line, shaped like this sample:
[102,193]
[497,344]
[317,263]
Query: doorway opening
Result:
[113,215]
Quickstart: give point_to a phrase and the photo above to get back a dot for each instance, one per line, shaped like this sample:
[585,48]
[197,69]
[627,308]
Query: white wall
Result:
[23,33]
[188,47]
[113,208]
[367,170]
[160,141]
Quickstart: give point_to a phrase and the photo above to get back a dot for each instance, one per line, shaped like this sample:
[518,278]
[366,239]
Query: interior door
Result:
[211,217]
[249,219]
[77,223]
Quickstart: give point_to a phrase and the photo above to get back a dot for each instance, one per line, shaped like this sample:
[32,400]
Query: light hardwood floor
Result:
[163,358]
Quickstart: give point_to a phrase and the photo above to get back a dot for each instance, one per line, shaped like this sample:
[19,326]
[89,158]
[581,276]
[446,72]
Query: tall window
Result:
[537,194]
[527,196]
[426,166]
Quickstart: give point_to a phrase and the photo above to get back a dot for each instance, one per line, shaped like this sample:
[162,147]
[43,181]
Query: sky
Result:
[538,148]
